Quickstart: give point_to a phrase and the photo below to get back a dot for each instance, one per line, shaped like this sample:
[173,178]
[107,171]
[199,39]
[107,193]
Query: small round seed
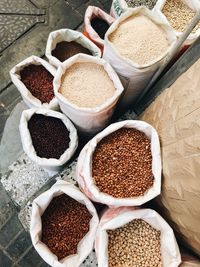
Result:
[122,164]
[148,3]
[38,81]
[64,223]
[135,244]
[178,14]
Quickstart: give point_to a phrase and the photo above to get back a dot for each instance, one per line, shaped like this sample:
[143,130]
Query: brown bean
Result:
[122,164]
[64,223]
[38,81]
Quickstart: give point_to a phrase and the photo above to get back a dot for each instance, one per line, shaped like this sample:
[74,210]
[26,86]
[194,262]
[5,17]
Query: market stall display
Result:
[121,165]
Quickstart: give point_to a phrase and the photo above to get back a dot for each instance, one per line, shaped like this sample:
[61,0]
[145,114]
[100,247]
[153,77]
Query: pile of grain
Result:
[178,14]
[135,3]
[86,85]
[122,164]
[64,223]
[140,40]
[135,244]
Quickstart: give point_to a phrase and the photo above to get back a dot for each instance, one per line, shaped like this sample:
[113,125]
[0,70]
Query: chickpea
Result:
[142,245]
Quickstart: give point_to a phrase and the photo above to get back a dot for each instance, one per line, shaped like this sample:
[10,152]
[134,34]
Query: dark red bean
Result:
[49,135]
[39,82]
[64,223]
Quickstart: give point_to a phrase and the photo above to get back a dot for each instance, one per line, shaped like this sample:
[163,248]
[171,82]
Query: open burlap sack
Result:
[118,217]
[51,165]
[175,114]
[194,5]
[88,120]
[84,167]
[134,76]
[29,99]
[40,204]
[68,35]
[95,12]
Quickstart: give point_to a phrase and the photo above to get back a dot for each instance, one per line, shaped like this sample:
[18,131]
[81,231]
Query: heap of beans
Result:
[64,223]
[38,81]
[148,3]
[178,14]
[100,26]
[49,135]
[122,164]
[135,244]
[140,40]
[65,50]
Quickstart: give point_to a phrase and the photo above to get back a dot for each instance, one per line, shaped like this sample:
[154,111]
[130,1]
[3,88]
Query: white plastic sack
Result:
[88,120]
[28,98]
[135,77]
[68,36]
[90,13]
[52,166]
[118,7]
[115,218]
[84,166]
[40,204]
[194,5]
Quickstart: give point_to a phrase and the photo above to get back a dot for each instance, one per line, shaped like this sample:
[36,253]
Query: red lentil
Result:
[65,50]
[122,164]
[49,135]
[64,223]
[39,82]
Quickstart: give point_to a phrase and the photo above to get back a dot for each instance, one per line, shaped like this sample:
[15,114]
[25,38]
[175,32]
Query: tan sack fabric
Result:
[175,114]
[188,259]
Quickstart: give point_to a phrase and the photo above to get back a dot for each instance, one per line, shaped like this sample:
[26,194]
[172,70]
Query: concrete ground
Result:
[25,26]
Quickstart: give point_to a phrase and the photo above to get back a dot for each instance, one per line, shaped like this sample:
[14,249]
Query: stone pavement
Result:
[25,26]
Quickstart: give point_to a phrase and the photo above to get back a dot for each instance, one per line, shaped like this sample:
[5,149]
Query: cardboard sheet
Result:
[189,260]
[175,114]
